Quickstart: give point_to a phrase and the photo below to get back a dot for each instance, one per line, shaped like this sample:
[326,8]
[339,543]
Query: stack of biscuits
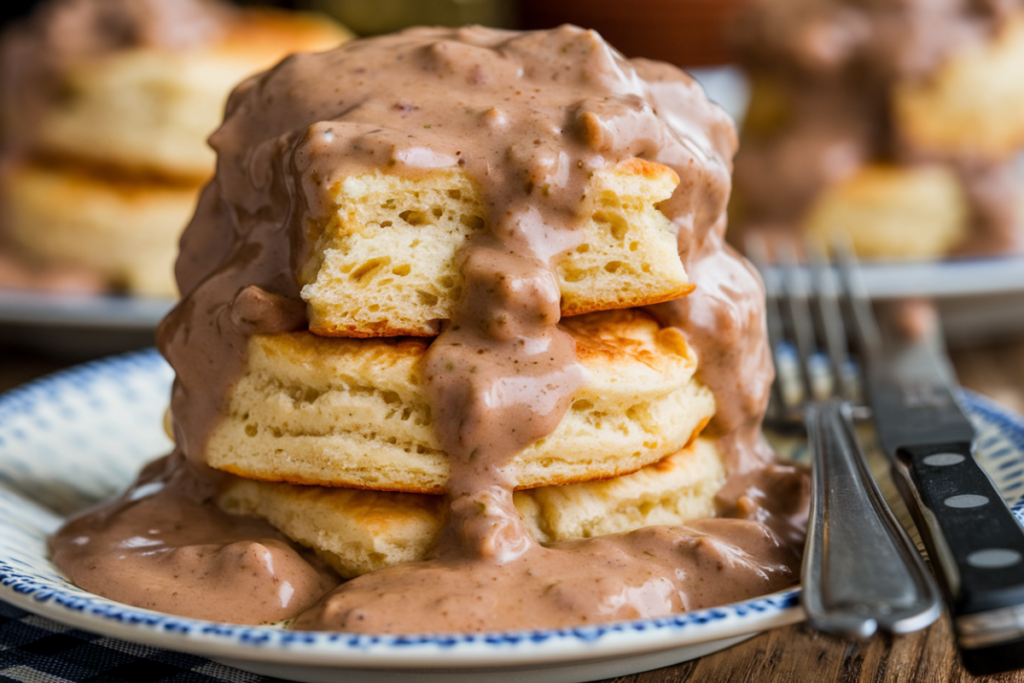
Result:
[894,123]
[107,105]
[328,434]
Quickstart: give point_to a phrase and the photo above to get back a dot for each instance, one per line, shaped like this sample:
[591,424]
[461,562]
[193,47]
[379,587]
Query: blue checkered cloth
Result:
[37,650]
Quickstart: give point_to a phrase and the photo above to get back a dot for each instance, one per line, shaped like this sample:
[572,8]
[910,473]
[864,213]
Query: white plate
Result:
[78,437]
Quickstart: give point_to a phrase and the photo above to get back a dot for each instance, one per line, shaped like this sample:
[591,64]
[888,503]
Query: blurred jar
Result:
[369,17]
[683,32]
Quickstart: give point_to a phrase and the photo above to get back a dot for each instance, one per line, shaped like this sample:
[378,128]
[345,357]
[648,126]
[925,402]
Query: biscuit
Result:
[914,212]
[973,105]
[354,412]
[151,110]
[126,230]
[386,262]
[361,531]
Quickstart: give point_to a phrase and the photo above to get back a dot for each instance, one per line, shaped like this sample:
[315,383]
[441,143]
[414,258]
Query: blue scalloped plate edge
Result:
[1005,425]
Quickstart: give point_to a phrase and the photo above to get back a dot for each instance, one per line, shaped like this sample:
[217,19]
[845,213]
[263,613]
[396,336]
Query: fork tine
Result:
[865,326]
[796,293]
[833,329]
[845,591]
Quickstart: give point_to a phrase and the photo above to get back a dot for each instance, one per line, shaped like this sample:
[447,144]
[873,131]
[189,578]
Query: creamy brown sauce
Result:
[164,545]
[835,63]
[528,117]
[648,573]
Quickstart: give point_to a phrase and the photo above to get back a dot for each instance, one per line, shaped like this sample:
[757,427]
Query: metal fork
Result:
[861,572]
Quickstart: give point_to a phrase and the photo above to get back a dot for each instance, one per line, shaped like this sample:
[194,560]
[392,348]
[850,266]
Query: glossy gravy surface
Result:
[529,116]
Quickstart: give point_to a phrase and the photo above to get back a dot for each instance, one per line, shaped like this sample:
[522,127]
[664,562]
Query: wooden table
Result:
[793,654]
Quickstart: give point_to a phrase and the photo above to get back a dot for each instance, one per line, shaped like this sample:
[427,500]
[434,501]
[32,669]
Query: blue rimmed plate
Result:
[78,437]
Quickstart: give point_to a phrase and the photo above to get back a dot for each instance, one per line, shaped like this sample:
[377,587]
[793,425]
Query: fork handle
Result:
[976,546]
[861,571]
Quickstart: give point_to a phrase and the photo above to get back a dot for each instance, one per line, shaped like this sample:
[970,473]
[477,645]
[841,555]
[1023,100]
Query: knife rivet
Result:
[967,500]
[943,459]
[994,558]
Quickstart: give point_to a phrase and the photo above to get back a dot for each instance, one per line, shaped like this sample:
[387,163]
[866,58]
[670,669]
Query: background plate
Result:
[79,326]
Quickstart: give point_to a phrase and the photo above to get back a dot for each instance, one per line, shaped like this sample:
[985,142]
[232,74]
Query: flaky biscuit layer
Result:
[360,531]
[354,412]
[386,263]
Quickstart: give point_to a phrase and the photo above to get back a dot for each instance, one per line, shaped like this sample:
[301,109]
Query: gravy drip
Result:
[528,116]
[834,64]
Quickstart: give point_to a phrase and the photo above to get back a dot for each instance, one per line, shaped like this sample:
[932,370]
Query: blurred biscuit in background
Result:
[124,228]
[895,123]
[106,106]
[973,104]
[151,109]
[892,212]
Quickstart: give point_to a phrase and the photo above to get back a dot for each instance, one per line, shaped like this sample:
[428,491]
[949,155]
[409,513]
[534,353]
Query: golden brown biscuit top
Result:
[263,31]
[606,338]
[614,336]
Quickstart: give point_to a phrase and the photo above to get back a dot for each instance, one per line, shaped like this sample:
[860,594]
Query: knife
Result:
[973,539]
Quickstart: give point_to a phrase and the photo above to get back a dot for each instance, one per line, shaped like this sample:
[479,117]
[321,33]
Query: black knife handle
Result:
[976,546]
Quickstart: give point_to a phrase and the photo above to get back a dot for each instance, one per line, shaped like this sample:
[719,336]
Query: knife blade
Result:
[975,543]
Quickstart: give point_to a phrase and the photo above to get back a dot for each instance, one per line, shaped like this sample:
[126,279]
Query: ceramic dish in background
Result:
[79,326]
[979,300]
[726,86]
[110,311]
[78,437]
